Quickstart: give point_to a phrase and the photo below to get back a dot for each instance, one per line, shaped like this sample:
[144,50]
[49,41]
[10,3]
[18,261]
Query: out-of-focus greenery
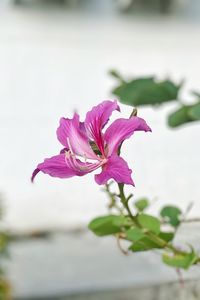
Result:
[131,222]
[143,231]
[150,91]
[5,289]
[184,114]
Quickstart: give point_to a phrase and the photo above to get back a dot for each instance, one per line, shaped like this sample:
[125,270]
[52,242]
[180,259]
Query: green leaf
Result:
[171,214]
[146,91]
[143,244]
[142,204]
[180,117]
[149,222]
[194,112]
[134,234]
[166,236]
[107,225]
[182,260]
[185,114]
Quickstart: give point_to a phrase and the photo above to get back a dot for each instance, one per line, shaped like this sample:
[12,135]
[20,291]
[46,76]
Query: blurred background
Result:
[55,58]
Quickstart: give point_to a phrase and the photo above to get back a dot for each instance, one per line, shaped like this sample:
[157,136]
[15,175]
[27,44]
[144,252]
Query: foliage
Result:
[141,204]
[87,140]
[143,231]
[172,214]
[146,232]
[5,290]
[184,114]
[144,91]
[107,225]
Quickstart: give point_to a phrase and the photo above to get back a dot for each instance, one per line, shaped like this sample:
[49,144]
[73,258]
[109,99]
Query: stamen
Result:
[69,144]
[85,157]
[73,161]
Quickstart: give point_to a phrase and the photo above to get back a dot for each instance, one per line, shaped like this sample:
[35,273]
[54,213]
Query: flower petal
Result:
[81,168]
[65,166]
[122,129]
[97,118]
[63,131]
[55,166]
[117,169]
[72,135]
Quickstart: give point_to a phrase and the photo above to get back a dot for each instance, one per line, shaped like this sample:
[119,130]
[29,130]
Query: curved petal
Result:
[64,150]
[122,129]
[117,169]
[72,135]
[79,167]
[63,131]
[55,166]
[65,165]
[97,118]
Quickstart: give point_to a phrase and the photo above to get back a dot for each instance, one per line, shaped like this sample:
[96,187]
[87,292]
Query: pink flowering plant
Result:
[93,145]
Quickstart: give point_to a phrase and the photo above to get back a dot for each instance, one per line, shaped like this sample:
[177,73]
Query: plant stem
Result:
[124,201]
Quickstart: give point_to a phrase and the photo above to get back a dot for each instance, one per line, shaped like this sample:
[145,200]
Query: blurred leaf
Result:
[185,114]
[171,214]
[180,117]
[183,260]
[142,204]
[117,75]
[134,234]
[107,225]
[197,94]
[194,111]
[143,244]
[149,222]
[4,240]
[146,91]
[166,236]
[5,289]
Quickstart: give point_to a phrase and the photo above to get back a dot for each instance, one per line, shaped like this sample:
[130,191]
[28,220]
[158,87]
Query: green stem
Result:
[112,197]
[124,201]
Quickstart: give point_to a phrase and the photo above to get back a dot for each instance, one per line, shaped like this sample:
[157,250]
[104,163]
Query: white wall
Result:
[52,62]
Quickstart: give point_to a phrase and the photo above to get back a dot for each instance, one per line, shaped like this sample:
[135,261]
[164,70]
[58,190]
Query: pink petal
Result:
[71,134]
[122,129]
[55,166]
[81,168]
[116,168]
[97,118]
[62,166]
[63,131]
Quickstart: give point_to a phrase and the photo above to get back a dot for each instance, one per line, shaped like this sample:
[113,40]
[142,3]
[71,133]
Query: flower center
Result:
[82,162]
[95,148]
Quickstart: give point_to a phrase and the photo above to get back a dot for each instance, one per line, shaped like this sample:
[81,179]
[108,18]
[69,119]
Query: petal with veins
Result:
[55,166]
[122,129]
[71,134]
[65,166]
[116,168]
[96,119]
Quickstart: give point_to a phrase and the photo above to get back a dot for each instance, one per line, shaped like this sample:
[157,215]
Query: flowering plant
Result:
[88,146]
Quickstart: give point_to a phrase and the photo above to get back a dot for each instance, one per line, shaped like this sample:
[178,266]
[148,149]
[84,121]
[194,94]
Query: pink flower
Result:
[88,148]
